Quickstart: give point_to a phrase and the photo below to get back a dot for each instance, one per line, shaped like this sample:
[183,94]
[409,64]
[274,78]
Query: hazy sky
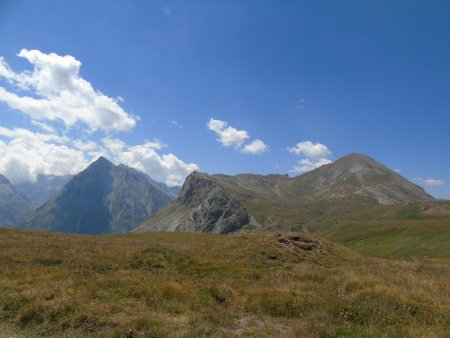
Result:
[225,86]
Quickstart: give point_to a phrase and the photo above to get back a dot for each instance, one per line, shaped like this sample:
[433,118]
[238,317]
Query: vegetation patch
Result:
[204,285]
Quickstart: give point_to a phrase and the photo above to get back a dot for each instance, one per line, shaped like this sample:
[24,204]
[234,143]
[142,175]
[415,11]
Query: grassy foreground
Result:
[203,285]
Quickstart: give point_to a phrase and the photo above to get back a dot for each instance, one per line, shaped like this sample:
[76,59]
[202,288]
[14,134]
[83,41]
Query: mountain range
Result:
[105,198]
[353,186]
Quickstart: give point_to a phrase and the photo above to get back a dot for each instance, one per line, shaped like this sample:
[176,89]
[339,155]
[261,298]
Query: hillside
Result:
[13,205]
[203,285]
[103,198]
[43,189]
[353,187]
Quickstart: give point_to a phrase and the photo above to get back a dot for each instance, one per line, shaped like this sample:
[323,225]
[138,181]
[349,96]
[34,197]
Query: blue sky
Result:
[346,76]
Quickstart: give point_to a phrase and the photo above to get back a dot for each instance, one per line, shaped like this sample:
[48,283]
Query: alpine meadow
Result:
[224,169]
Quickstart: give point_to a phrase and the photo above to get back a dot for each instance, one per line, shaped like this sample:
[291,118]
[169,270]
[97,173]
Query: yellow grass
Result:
[203,285]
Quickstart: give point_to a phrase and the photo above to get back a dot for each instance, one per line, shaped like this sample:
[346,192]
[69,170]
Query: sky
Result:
[169,87]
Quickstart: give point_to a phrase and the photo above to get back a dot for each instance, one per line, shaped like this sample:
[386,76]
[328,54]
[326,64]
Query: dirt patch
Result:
[300,241]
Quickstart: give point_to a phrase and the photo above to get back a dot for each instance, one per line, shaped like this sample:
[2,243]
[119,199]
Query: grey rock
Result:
[202,206]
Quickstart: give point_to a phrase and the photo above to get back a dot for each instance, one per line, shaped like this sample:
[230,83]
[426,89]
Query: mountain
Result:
[203,205]
[103,198]
[13,205]
[355,186]
[43,189]
[174,190]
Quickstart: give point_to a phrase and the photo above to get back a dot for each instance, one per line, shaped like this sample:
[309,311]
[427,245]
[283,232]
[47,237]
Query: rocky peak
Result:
[193,185]
[204,205]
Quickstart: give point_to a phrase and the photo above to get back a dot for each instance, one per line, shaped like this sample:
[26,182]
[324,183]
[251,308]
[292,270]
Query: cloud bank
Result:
[59,102]
[60,94]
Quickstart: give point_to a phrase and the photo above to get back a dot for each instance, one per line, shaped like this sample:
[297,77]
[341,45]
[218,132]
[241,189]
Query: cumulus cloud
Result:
[310,150]
[24,155]
[257,147]
[59,93]
[58,98]
[306,164]
[315,155]
[428,181]
[228,135]
[144,157]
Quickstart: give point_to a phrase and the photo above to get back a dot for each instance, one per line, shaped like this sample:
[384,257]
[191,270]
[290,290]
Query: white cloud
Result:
[316,155]
[306,164]
[429,181]
[432,182]
[61,98]
[144,157]
[257,147]
[25,154]
[310,150]
[228,135]
[60,94]
[44,127]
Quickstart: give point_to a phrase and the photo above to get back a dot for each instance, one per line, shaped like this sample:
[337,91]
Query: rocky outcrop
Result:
[203,205]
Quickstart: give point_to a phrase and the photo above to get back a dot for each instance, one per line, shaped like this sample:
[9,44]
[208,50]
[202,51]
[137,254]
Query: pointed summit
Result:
[101,162]
[103,198]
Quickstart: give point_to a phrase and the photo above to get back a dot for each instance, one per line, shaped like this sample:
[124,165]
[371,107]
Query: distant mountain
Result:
[358,176]
[174,190]
[43,189]
[13,205]
[355,186]
[103,198]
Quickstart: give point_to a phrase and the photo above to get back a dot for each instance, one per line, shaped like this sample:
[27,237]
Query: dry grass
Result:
[200,285]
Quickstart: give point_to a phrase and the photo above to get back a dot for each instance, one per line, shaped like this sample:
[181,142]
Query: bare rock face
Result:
[202,206]
[212,208]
